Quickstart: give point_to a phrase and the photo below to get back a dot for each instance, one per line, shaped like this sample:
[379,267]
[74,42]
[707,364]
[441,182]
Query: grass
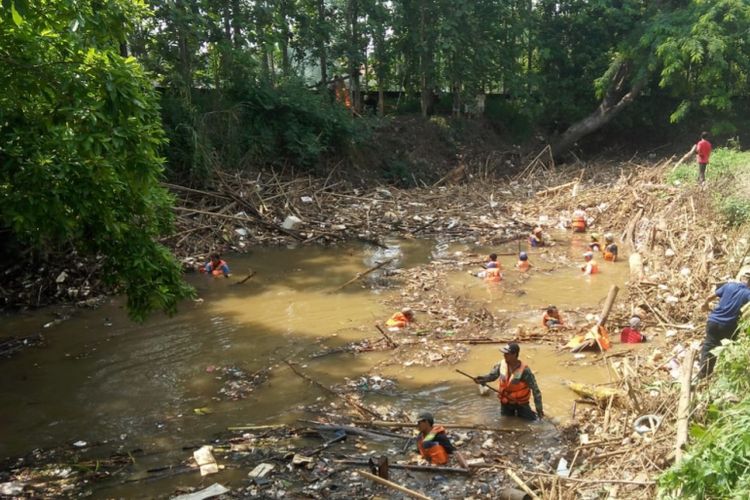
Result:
[728,177]
[717,462]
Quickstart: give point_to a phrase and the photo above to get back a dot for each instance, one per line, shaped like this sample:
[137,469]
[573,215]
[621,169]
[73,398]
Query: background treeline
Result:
[250,81]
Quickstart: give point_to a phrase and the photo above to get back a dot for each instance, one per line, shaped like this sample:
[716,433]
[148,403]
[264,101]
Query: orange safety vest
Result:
[609,254]
[594,267]
[493,274]
[523,265]
[579,224]
[216,270]
[398,320]
[435,454]
[513,390]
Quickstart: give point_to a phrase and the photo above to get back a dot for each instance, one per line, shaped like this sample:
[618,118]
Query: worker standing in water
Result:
[536,238]
[523,263]
[552,318]
[215,266]
[492,263]
[433,443]
[517,384]
[610,251]
[579,220]
[590,266]
[401,319]
[594,245]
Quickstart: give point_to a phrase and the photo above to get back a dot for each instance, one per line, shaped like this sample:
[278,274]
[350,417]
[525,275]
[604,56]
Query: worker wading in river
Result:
[523,263]
[579,220]
[401,319]
[216,267]
[590,266]
[610,251]
[516,386]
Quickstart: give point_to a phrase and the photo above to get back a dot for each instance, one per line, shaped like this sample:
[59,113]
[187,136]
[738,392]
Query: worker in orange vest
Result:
[590,266]
[432,442]
[523,263]
[517,384]
[401,319]
[552,318]
[610,251]
[579,220]
[492,262]
[215,266]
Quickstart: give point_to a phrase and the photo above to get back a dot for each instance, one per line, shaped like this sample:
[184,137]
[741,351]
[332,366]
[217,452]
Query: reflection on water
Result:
[138,384]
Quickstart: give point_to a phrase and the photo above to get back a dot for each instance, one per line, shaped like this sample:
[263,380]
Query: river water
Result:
[105,380]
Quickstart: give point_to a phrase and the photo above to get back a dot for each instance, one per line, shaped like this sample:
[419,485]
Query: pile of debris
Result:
[241,212]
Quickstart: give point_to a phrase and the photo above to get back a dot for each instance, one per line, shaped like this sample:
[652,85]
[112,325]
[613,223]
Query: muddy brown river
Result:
[103,378]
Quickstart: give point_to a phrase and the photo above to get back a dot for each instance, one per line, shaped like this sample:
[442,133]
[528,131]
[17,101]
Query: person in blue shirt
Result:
[722,321]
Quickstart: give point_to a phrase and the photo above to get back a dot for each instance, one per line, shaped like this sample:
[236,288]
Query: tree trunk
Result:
[381,97]
[354,56]
[456,100]
[425,62]
[236,23]
[618,96]
[285,36]
[322,45]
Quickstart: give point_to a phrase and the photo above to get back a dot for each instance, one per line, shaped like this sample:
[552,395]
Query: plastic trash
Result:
[291,222]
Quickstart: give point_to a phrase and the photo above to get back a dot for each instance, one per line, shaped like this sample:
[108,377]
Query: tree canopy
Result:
[80,135]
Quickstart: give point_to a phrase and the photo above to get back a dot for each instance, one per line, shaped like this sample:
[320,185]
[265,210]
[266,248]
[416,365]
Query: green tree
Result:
[699,50]
[80,135]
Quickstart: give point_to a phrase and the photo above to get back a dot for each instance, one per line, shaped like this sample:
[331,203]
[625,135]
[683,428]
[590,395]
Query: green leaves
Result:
[79,150]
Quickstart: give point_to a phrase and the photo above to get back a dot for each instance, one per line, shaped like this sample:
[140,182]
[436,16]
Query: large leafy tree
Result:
[80,133]
[699,50]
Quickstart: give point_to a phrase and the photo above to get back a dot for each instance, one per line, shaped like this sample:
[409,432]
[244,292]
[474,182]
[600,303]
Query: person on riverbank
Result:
[517,384]
[523,263]
[590,266]
[631,334]
[401,319]
[722,321]
[610,251]
[703,153]
[579,220]
[552,318]
[215,266]
[536,238]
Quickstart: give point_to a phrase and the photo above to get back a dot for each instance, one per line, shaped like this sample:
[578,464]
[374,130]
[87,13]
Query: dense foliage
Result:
[717,463]
[80,134]
[569,65]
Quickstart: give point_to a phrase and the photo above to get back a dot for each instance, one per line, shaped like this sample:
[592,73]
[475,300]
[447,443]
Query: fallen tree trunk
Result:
[618,96]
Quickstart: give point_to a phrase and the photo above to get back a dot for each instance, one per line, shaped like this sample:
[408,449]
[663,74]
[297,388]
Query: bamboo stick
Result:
[362,275]
[683,407]
[382,332]
[388,424]
[393,486]
[429,468]
[521,484]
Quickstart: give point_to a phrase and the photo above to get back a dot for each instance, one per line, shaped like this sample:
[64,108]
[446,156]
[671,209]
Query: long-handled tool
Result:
[474,379]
